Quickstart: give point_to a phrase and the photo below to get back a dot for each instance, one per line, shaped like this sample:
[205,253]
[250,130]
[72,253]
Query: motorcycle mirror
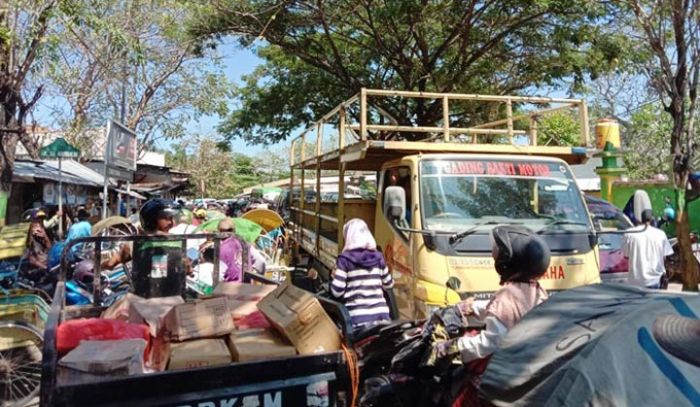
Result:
[454,283]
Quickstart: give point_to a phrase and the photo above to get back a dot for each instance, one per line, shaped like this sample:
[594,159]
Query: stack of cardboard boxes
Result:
[203,333]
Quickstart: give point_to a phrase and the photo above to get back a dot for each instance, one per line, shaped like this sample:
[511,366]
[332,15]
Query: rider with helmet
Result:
[158,269]
[521,258]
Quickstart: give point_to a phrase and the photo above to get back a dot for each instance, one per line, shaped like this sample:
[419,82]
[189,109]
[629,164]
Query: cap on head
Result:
[37,214]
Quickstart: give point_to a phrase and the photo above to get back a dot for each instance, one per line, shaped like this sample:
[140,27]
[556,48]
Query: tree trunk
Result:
[7,164]
[689,264]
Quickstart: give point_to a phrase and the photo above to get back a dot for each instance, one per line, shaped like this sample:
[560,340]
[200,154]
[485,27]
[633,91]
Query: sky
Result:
[237,62]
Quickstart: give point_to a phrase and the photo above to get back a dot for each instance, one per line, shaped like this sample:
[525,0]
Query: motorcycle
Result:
[672,263]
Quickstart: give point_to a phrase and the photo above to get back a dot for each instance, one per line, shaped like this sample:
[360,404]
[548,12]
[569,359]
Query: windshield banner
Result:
[516,168]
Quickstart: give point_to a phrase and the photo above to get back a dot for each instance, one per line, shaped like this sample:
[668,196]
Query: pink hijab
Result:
[358,236]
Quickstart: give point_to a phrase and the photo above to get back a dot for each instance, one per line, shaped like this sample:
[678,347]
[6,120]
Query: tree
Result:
[216,172]
[647,143]
[671,34]
[319,53]
[137,54]
[560,128]
[24,37]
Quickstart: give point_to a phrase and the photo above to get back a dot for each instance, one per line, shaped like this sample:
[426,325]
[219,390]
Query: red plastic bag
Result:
[254,320]
[70,333]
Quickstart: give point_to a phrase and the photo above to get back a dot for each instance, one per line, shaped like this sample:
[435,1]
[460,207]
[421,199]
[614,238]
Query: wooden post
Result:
[319,138]
[583,114]
[317,210]
[446,118]
[341,127]
[363,114]
[533,131]
[341,207]
[509,113]
[291,153]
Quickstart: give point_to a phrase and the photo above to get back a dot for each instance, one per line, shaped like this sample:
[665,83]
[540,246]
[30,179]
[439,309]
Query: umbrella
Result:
[107,223]
[214,214]
[266,218]
[59,149]
[593,346]
[245,228]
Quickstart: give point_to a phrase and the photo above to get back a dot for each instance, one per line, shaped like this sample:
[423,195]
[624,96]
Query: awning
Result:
[132,194]
[26,170]
[79,170]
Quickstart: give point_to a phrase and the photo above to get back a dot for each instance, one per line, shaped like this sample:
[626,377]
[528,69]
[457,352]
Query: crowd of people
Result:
[361,275]
[156,217]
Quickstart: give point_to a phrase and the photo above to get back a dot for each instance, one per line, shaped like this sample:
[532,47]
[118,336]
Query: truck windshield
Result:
[541,195]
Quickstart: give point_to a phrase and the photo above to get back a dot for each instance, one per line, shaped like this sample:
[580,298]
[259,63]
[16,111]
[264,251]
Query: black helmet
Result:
[522,255]
[153,210]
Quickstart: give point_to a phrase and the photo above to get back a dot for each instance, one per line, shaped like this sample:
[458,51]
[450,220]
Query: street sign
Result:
[121,148]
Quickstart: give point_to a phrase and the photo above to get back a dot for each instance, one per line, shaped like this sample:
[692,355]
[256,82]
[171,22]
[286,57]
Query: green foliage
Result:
[224,173]
[317,54]
[140,47]
[560,128]
[647,142]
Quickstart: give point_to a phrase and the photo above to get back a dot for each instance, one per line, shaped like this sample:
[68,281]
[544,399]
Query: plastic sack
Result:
[70,333]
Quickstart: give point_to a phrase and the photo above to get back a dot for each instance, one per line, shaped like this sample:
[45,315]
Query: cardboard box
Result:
[244,292]
[138,310]
[241,309]
[114,357]
[243,298]
[198,353]
[210,317]
[258,344]
[300,318]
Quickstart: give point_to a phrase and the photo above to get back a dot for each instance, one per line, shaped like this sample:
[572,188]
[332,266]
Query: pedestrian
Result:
[231,253]
[361,276]
[80,229]
[38,243]
[646,246]
[520,258]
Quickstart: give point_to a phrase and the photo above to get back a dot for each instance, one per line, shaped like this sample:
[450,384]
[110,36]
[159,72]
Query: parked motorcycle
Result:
[673,262]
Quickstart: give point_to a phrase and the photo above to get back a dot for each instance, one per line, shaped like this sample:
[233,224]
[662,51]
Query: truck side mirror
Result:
[395,204]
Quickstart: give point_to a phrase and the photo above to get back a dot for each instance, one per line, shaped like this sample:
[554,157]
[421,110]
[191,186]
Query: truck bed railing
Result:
[374,123]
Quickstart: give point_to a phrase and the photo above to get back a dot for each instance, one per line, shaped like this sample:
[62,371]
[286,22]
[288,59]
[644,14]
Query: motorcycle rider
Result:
[521,258]
[157,265]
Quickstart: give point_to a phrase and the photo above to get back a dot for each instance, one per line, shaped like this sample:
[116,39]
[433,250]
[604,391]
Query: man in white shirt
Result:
[646,247]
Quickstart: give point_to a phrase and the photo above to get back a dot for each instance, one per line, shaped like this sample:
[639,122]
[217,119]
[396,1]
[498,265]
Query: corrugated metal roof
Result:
[79,170]
[40,170]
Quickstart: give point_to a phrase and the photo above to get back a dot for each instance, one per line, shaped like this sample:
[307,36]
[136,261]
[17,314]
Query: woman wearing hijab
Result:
[521,258]
[361,276]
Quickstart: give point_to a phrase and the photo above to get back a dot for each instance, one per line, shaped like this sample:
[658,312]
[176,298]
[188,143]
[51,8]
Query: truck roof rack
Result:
[366,135]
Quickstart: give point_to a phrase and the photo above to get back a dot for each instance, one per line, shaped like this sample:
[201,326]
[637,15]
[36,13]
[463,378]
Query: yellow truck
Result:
[441,189]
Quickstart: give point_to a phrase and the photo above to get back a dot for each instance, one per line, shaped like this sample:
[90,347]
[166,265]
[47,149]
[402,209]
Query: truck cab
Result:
[452,203]
[458,183]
